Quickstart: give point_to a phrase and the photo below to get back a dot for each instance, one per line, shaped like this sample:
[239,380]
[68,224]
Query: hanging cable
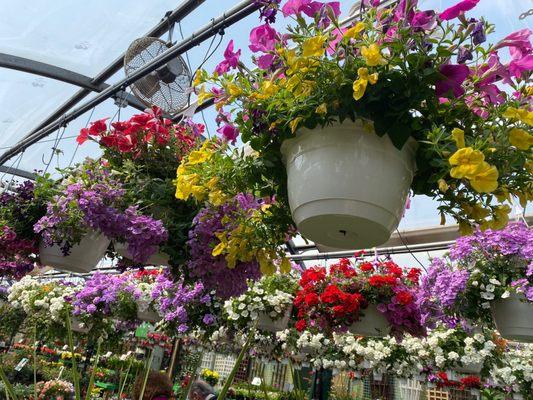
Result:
[409,250]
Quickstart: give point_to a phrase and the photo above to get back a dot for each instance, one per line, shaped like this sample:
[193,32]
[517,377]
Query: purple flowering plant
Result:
[103,297]
[90,198]
[484,267]
[20,207]
[185,306]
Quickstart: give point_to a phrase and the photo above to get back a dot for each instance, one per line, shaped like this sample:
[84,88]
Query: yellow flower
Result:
[233,90]
[203,95]
[314,47]
[466,162]
[217,197]
[322,109]
[212,183]
[500,217]
[443,186]
[184,185]
[285,266]
[485,180]
[266,265]
[465,228]
[198,192]
[372,55]
[520,114]
[294,124]
[459,136]
[219,248]
[363,74]
[199,78]
[268,89]
[520,139]
[359,86]
[198,157]
[354,31]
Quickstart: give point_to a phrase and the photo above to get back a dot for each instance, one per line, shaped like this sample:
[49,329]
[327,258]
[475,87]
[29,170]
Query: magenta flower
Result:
[265,61]
[229,131]
[308,7]
[454,76]
[263,38]
[493,71]
[518,42]
[517,67]
[405,10]
[231,59]
[454,11]
[337,37]
[424,20]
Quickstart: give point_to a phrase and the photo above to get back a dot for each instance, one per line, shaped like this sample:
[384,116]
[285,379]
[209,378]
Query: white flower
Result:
[490,288]
[494,281]
[475,283]
[487,295]
[452,355]
[506,294]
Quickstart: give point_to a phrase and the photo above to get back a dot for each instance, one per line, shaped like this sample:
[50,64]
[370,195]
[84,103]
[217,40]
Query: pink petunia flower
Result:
[263,38]
[231,59]
[454,76]
[229,131]
[456,10]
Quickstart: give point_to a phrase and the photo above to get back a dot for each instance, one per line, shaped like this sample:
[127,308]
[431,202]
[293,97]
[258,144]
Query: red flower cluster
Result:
[141,131]
[331,298]
[468,382]
[323,300]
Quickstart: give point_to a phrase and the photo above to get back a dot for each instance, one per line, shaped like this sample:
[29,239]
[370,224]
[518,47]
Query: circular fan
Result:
[168,86]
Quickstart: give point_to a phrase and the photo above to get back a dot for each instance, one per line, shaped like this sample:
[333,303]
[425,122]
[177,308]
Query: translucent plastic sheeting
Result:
[25,101]
[83,36]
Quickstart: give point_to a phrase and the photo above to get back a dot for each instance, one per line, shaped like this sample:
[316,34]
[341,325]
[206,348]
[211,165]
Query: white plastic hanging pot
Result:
[513,317]
[83,257]
[470,368]
[266,323]
[372,323]
[157,259]
[347,187]
[148,315]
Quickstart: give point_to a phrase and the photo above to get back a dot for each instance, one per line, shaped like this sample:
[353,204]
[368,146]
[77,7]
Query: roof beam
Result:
[17,172]
[64,75]
[213,28]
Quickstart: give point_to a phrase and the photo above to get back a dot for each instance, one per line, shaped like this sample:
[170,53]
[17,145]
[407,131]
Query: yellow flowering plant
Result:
[406,73]
[253,225]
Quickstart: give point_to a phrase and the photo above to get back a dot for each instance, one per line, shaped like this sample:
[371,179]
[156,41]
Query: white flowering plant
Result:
[457,349]
[44,303]
[381,355]
[271,295]
[514,370]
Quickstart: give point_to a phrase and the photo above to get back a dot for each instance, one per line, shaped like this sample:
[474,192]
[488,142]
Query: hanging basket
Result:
[157,259]
[513,318]
[347,187]
[148,315]
[372,323]
[83,257]
[266,323]
[470,368]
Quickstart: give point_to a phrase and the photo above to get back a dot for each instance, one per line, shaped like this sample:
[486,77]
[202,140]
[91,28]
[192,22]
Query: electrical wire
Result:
[409,250]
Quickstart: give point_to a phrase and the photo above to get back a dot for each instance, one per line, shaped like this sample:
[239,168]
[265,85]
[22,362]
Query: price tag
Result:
[21,364]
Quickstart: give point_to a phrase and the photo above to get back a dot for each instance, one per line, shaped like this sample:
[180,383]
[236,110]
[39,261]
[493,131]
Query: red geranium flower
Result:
[301,325]
[404,297]
[366,267]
